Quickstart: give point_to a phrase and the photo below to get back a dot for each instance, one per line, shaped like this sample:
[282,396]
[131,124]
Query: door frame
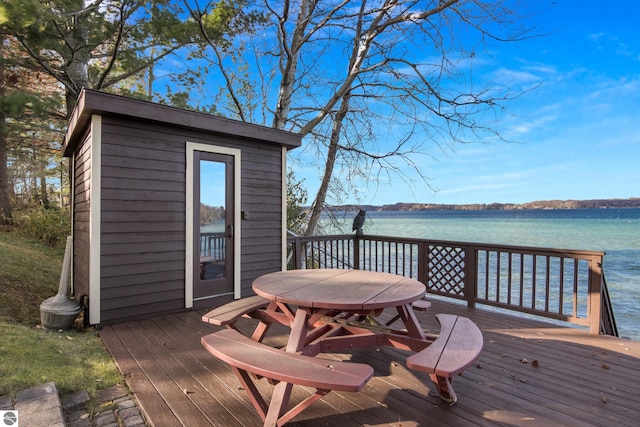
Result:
[192,147]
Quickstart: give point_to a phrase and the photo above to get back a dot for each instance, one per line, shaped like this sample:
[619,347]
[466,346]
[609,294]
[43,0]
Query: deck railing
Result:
[561,284]
[213,245]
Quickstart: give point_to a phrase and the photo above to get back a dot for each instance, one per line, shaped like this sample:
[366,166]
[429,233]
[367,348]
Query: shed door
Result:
[213,212]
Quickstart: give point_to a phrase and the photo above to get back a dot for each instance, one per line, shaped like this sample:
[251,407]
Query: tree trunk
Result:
[78,69]
[44,196]
[321,196]
[289,59]
[5,202]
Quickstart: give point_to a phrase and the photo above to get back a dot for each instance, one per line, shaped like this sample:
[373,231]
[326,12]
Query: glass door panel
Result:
[214,225]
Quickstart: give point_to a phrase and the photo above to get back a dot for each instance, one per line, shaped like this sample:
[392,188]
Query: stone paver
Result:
[40,406]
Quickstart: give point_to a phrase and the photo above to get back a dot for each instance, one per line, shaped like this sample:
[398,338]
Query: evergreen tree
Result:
[109,45]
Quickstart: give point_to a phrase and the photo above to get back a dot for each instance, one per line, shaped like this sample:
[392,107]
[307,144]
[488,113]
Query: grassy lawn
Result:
[75,359]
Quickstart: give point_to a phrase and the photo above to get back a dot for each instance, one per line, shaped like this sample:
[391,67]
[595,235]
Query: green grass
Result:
[75,359]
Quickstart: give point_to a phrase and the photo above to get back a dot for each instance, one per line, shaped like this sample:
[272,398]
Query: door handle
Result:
[229,231]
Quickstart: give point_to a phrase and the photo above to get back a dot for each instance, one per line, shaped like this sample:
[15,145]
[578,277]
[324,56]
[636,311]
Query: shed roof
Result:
[92,102]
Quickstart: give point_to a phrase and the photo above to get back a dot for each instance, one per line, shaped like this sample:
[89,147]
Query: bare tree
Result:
[341,72]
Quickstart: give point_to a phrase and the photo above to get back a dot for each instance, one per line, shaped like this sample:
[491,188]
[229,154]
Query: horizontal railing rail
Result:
[561,284]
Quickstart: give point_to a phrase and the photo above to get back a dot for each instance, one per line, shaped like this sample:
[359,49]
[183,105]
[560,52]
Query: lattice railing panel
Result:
[446,270]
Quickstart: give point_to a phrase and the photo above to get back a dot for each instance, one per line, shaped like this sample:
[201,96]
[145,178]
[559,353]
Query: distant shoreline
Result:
[633,202]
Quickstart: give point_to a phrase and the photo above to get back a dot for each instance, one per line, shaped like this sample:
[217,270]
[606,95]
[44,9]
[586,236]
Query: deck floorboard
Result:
[530,373]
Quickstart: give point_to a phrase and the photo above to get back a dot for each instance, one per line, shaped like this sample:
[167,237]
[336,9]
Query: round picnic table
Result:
[340,294]
[324,309]
[339,289]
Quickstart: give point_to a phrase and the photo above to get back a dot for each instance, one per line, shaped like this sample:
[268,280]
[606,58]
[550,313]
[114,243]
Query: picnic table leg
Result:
[254,395]
[279,403]
[260,331]
[263,327]
[445,389]
[282,391]
[298,331]
[410,321]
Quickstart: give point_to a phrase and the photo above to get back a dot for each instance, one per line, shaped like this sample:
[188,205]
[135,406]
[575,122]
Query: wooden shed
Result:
[171,209]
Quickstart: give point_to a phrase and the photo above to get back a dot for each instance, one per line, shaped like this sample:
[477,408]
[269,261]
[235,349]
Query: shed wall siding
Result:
[81,216]
[143,215]
[142,246]
[262,204]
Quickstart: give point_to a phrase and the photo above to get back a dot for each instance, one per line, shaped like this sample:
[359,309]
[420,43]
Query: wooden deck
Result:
[529,374]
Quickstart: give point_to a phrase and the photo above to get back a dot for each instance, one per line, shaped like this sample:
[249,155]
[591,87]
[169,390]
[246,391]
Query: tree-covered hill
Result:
[633,202]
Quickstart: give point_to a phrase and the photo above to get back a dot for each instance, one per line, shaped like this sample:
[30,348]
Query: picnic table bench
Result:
[228,314]
[252,307]
[455,349]
[284,369]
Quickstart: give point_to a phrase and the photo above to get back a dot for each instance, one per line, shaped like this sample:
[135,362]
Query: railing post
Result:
[470,275]
[297,253]
[423,263]
[595,294]
[356,252]
[608,325]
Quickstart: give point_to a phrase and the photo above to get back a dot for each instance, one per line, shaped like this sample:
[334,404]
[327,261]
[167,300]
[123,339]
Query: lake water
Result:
[614,231]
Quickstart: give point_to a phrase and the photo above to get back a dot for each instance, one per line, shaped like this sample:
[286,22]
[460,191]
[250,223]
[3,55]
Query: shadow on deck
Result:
[530,373]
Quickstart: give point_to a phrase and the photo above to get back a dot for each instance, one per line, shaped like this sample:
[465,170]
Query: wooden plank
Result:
[155,407]
[421,305]
[141,348]
[220,392]
[132,311]
[151,267]
[566,388]
[398,395]
[354,289]
[549,377]
[529,405]
[183,376]
[132,174]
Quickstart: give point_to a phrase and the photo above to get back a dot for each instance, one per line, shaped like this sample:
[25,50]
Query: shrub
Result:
[51,226]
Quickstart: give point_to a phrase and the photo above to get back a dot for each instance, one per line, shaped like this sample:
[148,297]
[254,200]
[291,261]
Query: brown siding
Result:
[81,208]
[143,221]
[262,201]
[143,215]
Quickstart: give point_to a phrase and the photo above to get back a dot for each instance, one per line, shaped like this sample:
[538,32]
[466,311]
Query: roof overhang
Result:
[92,102]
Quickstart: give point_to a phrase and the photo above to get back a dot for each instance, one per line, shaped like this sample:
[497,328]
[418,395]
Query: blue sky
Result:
[576,136]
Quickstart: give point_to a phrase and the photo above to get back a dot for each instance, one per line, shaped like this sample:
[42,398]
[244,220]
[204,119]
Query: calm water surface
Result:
[614,231]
